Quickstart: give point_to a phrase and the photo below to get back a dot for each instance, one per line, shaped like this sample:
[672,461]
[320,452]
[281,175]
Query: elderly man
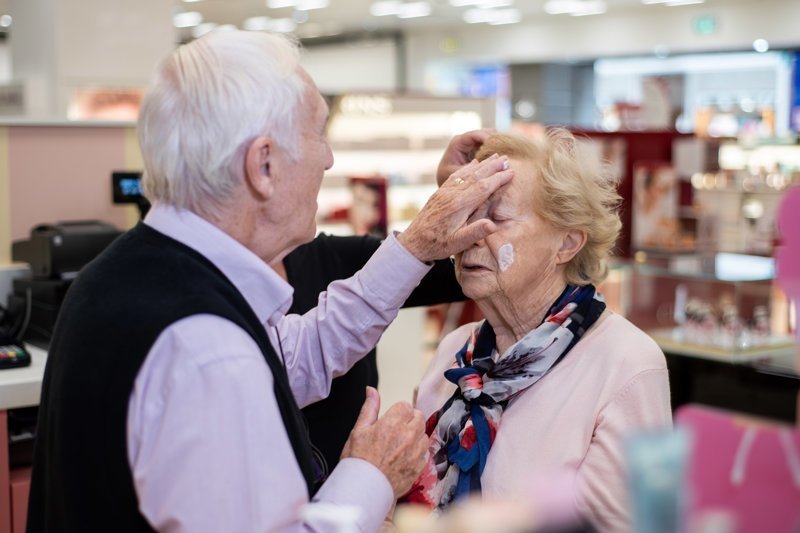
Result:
[171,393]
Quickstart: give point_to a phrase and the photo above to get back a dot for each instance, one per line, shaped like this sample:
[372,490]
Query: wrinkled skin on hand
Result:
[441,229]
[395,443]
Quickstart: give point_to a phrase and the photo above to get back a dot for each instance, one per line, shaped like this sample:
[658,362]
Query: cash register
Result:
[55,253]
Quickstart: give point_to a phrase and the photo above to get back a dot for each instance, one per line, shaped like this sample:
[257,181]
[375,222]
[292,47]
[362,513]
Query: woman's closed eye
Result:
[496,216]
[479,213]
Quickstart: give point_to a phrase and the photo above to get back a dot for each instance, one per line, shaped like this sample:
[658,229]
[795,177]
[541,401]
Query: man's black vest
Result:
[111,317]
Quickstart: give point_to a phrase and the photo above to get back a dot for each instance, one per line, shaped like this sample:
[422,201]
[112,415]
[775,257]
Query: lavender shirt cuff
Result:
[355,482]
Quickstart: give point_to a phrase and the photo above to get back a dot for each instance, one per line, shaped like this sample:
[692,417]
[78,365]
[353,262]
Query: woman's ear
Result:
[257,167]
[572,243]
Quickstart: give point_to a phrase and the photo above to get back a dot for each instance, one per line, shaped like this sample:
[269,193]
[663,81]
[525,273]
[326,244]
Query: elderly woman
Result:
[551,380]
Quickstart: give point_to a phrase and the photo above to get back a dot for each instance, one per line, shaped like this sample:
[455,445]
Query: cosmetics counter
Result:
[722,323]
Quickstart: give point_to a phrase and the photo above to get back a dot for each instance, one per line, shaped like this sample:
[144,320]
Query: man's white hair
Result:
[209,100]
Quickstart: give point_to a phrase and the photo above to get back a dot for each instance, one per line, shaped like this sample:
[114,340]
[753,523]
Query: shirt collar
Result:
[266,292]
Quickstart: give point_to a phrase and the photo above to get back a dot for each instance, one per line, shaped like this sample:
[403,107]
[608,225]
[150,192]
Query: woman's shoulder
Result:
[622,344]
[454,341]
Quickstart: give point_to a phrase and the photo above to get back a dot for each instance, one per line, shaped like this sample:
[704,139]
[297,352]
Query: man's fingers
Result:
[480,191]
[418,420]
[472,233]
[462,174]
[401,410]
[370,409]
[469,142]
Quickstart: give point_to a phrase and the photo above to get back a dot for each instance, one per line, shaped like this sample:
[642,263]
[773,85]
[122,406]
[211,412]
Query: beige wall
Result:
[55,173]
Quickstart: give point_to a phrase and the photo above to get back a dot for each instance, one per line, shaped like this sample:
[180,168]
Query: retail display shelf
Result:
[779,347]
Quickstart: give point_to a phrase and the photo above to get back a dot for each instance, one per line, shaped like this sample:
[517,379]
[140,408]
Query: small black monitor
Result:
[126,187]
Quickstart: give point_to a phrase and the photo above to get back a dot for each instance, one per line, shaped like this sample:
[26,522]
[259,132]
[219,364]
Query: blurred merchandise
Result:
[368,215]
[655,207]
[657,464]
[723,301]
[714,95]
[743,472]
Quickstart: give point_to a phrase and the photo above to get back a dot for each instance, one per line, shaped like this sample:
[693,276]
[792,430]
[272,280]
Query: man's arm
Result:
[351,253]
[348,321]
[207,445]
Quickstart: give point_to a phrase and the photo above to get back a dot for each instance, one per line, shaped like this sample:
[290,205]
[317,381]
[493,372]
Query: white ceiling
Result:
[354,15]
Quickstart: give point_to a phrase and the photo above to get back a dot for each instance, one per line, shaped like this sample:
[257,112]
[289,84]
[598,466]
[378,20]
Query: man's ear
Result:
[257,172]
[572,243]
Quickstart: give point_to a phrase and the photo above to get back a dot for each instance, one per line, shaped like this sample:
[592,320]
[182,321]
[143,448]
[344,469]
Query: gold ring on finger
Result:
[458,181]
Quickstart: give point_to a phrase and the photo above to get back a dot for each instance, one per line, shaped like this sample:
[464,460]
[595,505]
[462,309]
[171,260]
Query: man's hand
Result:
[394,443]
[441,230]
[460,151]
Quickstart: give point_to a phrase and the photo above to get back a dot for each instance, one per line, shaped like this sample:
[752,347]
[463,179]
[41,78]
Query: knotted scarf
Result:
[461,433]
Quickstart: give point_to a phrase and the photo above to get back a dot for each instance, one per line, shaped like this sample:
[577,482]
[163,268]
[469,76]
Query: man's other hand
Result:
[460,151]
[394,443]
[441,230]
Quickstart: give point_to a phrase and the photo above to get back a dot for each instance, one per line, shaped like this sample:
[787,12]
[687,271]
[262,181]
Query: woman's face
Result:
[521,254]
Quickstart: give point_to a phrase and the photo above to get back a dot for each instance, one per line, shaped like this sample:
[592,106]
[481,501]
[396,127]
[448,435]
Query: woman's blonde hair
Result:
[574,192]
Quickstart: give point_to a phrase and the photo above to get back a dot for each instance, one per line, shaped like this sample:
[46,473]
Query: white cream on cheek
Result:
[505,256]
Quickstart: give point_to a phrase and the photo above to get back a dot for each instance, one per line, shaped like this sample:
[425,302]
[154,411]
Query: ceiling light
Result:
[187,19]
[283,25]
[277,4]
[477,16]
[576,8]
[525,108]
[414,10]
[590,7]
[673,3]
[308,5]
[462,3]
[385,8]
[201,29]
[488,4]
[256,24]
[5,21]
[492,16]
[190,1]
[760,45]
[506,16]
[559,7]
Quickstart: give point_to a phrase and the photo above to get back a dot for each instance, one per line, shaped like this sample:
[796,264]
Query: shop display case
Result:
[722,323]
[736,202]
[719,306]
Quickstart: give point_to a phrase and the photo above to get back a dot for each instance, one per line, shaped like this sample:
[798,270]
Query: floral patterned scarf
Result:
[462,432]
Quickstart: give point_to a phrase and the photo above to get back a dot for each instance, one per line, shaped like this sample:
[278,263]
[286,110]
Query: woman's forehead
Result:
[521,187]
